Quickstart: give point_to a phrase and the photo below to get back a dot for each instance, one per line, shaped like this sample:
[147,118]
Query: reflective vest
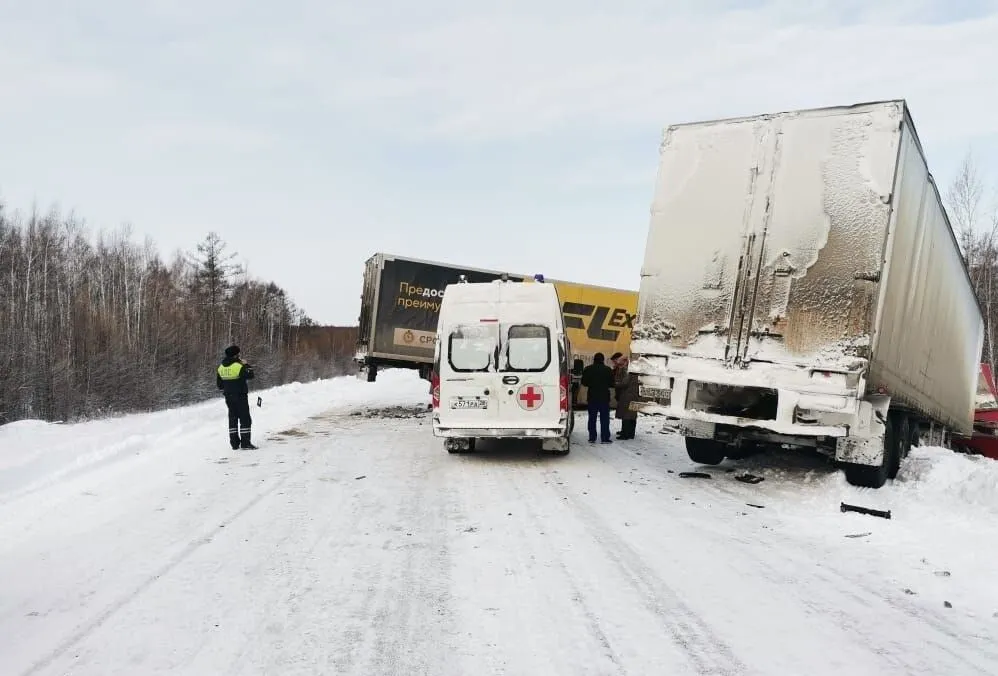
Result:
[230,372]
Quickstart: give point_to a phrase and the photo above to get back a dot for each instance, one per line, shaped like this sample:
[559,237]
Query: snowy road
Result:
[353,544]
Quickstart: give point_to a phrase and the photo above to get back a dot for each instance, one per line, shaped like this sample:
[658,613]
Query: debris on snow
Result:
[865,510]
[749,479]
[858,535]
[694,475]
[393,412]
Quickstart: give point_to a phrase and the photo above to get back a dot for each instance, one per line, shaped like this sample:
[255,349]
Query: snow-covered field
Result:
[352,543]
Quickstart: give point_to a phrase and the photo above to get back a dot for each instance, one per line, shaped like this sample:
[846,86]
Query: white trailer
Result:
[802,286]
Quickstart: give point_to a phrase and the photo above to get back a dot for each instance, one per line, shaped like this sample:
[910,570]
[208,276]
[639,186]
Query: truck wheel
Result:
[867,476]
[916,437]
[902,439]
[705,451]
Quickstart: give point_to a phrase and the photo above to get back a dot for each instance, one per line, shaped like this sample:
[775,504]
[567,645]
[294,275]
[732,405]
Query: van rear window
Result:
[528,348]
[471,348]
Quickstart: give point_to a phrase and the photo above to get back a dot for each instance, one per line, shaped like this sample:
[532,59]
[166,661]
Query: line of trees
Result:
[93,326]
[973,210]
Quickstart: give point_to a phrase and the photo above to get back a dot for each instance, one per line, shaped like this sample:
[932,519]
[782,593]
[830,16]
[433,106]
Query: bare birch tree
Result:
[976,223]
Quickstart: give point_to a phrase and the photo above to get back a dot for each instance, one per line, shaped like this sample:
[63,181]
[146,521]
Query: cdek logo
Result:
[600,317]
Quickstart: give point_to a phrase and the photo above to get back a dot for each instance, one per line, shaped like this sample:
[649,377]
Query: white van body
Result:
[501,367]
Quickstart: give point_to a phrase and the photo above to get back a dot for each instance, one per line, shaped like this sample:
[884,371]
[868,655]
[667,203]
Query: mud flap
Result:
[865,445]
[696,429]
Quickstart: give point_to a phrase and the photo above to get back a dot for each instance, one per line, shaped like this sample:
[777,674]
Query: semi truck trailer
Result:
[400,307]
[802,286]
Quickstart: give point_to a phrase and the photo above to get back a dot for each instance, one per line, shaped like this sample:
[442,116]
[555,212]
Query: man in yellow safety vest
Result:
[231,377]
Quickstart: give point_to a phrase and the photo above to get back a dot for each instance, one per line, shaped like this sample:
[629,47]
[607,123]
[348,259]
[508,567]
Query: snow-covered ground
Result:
[352,543]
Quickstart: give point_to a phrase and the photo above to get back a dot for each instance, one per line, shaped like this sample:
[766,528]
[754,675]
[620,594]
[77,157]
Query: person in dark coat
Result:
[628,418]
[619,366]
[232,378]
[626,388]
[597,378]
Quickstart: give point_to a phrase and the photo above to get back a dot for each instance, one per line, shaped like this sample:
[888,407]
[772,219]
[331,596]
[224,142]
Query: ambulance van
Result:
[501,366]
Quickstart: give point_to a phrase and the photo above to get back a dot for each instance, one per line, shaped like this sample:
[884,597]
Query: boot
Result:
[245,442]
[234,439]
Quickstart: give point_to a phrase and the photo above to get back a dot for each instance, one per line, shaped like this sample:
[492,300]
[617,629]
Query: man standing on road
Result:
[597,378]
[625,385]
[619,368]
[231,377]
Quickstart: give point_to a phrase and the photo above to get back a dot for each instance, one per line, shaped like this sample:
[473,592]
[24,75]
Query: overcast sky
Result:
[520,135]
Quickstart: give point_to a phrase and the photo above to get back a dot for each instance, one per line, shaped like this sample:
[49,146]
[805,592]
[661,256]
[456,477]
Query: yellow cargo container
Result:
[598,319]
[400,301]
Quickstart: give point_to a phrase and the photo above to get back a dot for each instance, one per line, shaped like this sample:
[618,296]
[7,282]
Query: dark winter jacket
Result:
[232,376]
[625,395]
[598,379]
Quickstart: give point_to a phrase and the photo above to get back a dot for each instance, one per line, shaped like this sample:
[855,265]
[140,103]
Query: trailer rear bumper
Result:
[728,398]
[705,426]
[859,449]
[793,409]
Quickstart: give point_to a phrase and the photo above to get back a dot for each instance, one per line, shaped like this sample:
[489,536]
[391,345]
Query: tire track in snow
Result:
[551,625]
[297,585]
[578,598]
[705,649]
[397,621]
[100,619]
[417,602]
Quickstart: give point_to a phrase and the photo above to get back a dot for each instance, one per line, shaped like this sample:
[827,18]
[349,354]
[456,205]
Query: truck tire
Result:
[902,442]
[705,451]
[916,437]
[867,476]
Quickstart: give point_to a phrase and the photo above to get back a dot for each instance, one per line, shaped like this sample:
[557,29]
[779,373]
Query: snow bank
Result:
[34,453]
[964,482]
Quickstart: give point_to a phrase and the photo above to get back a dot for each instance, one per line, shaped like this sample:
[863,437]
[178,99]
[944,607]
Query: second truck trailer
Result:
[802,285]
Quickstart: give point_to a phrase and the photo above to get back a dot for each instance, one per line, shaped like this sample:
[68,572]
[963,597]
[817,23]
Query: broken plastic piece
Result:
[865,510]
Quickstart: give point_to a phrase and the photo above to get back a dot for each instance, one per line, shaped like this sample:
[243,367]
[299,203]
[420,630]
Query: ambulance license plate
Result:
[469,402]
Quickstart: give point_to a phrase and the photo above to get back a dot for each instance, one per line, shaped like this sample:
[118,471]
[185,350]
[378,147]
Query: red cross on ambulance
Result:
[530,397]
